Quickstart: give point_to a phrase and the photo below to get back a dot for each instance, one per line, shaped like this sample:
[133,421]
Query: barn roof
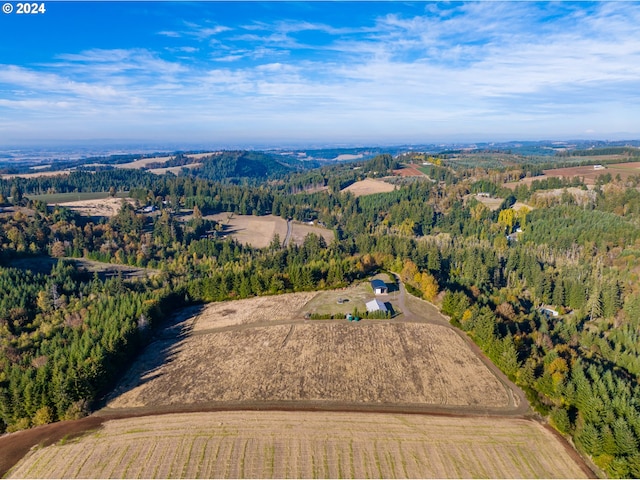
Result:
[377,283]
[375,305]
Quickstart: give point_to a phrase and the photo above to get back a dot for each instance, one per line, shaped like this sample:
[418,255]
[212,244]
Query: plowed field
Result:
[261,350]
[306,445]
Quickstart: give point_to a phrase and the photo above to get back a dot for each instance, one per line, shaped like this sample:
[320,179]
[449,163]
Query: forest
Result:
[66,335]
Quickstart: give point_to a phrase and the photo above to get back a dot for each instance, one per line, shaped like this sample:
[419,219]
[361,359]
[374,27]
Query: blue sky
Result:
[269,73]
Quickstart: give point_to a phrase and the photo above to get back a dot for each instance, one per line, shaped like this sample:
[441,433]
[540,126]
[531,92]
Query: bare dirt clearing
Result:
[260,231]
[492,203]
[103,207]
[306,445]
[242,352]
[369,186]
[409,171]
[253,310]
[250,229]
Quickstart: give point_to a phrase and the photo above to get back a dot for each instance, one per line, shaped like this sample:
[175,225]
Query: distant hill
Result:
[245,164]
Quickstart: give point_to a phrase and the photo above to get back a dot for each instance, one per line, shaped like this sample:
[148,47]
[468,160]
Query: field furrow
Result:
[306,445]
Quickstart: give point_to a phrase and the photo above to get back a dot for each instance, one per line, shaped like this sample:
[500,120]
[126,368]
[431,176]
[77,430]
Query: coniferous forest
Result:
[547,287]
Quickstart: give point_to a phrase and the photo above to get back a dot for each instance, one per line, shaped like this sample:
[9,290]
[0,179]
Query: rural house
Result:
[376,305]
[379,287]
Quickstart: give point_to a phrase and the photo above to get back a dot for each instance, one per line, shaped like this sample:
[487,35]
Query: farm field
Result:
[174,170]
[587,172]
[250,229]
[144,162]
[35,174]
[300,230]
[104,207]
[409,171]
[492,203]
[306,445]
[61,198]
[369,186]
[230,353]
[251,311]
[259,231]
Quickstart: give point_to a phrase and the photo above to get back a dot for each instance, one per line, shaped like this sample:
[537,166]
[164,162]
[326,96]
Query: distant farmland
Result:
[588,173]
[369,186]
[306,445]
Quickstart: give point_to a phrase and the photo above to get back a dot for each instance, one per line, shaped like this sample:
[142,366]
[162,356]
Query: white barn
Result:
[376,305]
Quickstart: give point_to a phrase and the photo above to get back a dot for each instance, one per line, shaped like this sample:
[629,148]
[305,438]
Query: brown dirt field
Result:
[259,231]
[103,207]
[409,171]
[252,230]
[234,355]
[252,310]
[14,446]
[369,186]
[275,444]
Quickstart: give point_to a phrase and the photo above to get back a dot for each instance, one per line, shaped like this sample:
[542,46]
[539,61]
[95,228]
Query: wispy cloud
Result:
[512,67]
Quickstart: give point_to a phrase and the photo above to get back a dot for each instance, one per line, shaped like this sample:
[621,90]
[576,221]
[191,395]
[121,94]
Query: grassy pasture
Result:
[306,445]
[327,302]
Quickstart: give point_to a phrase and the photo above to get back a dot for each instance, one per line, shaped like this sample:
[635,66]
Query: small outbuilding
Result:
[548,311]
[379,287]
[376,305]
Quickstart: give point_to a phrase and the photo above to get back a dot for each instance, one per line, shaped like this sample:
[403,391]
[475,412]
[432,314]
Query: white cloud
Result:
[458,67]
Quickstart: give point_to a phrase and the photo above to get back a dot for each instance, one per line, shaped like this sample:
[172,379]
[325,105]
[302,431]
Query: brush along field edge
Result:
[306,445]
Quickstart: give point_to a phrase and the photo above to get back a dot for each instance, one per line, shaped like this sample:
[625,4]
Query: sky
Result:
[349,73]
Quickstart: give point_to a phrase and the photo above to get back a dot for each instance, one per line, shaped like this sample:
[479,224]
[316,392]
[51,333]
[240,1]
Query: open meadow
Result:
[369,186]
[275,444]
[260,231]
[263,350]
[102,207]
[250,229]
